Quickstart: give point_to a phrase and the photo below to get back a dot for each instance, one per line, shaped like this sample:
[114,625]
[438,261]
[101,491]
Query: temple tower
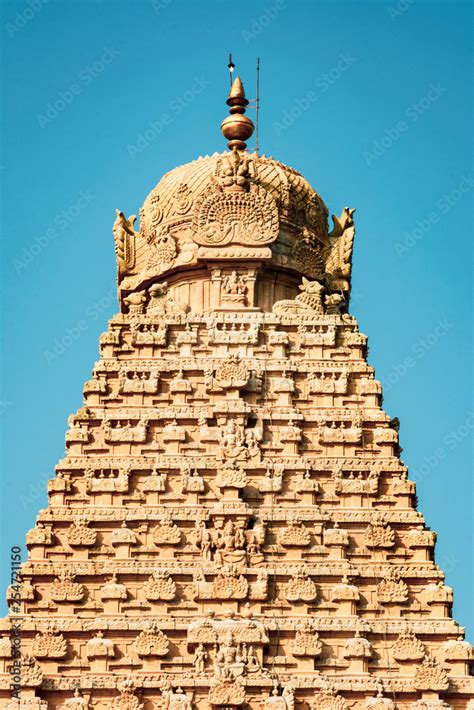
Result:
[232,526]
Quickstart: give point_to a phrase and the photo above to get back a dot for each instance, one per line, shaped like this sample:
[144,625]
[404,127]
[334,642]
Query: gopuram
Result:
[232,526]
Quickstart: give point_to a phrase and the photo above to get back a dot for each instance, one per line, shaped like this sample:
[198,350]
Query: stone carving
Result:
[100,647]
[113,590]
[392,589]
[162,304]
[379,534]
[306,641]
[183,199]
[419,537]
[163,250]
[174,432]
[295,535]
[123,536]
[39,535]
[300,588]
[80,535]
[235,171]
[431,676]
[167,532]
[229,585]
[228,542]
[344,592]
[231,476]
[135,302]
[438,593]
[31,674]
[174,699]
[191,481]
[155,482]
[329,700]
[232,373]
[125,430]
[124,236]
[138,380]
[408,647]
[233,217]
[66,589]
[78,701]
[199,660]
[151,642]
[127,700]
[308,301]
[227,693]
[49,645]
[336,536]
[328,382]
[273,479]
[457,650]
[338,432]
[357,647]
[234,288]
[159,587]
[360,482]
[338,255]
[285,701]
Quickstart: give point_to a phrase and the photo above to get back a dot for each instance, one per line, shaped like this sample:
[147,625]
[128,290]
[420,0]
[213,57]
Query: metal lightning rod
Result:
[231,67]
[257,105]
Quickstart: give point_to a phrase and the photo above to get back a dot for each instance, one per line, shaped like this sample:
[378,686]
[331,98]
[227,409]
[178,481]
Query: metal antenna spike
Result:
[257,105]
[231,67]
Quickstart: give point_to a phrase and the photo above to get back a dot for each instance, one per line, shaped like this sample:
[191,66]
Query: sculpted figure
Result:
[308,301]
[124,237]
[200,658]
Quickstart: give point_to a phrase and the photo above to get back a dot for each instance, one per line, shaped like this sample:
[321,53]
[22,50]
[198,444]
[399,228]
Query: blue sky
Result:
[371,101]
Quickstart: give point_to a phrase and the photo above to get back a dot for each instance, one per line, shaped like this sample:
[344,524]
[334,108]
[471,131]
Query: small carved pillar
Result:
[279,340]
[337,540]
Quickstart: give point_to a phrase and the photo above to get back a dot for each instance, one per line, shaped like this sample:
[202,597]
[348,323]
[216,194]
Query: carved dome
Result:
[232,205]
[230,211]
[180,194]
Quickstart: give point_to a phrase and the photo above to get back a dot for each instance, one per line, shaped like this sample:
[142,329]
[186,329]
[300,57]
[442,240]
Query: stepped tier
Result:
[232,522]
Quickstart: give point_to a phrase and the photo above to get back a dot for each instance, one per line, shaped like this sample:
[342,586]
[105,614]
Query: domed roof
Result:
[233,206]
[212,194]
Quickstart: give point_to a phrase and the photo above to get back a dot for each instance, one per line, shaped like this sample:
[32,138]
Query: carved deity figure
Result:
[200,657]
[234,288]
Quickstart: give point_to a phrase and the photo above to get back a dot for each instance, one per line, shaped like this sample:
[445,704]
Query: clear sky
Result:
[371,101]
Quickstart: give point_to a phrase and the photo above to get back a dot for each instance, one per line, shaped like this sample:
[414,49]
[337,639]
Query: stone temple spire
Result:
[237,128]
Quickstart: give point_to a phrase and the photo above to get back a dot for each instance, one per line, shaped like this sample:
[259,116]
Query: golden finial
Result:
[237,128]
